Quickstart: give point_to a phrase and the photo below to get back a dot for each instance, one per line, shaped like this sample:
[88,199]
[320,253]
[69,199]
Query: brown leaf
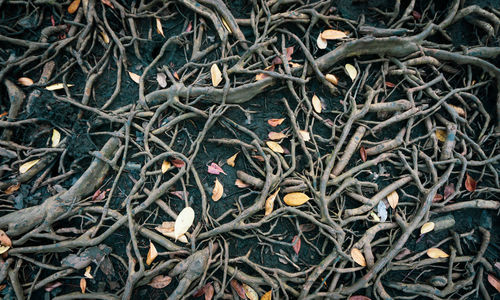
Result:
[160,281]
[276,136]
[441,135]
[389,84]
[436,253]
[167,229]
[270,202]
[238,288]
[437,198]
[358,257]
[83,285]
[449,189]
[332,79]
[12,189]
[267,295]
[427,227]
[239,183]
[73,6]
[316,103]
[275,147]
[321,42]
[136,78]
[296,199]
[494,282]
[152,254]
[216,75]
[250,292]
[470,183]
[230,161]
[25,81]
[362,152]
[393,199]
[296,244]
[217,191]
[178,163]
[275,122]
[331,34]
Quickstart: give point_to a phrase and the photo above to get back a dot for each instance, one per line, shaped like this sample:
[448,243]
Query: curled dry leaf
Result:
[321,42]
[351,71]
[57,86]
[276,136]
[160,281]
[393,199]
[73,6]
[215,169]
[136,78]
[362,153]
[83,285]
[267,295]
[494,282]
[25,81]
[275,122]
[183,222]
[165,166]
[216,75]
[296,244]
[167,229]
[270,202]
[316,104]
[28,165]
[217,191]
[441,135]
[230,161]
[296,199]
[238,288]
[427,227]
[470,183]
[12,189]
[305,135]
[152,254]
[275,147]
[331,34]
[239,183]
[87,272]
[250,292]
[56,138]
[159,28]
[436,253]
[358,257]
[161,78]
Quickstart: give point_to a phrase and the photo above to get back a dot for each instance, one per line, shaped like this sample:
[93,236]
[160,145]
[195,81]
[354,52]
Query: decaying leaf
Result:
[331,34]
[165,166]
[87,272]
[305,135]
[28,165]
[161,78]
[296,199]
[217,191]
[57,86]
[362,153]
[393,199]
[436,253]
[216,75]
[441,135]
[250,292]
[267,295]
[239,183]
[275,147]
[427,227]
[136,78]
[351,71]
[276,136]
[494,282]
[321,42]
[230,161]
[470,183]
[275,122]
[12,189]
[215,169]
[152,254]
[167,229]
[332,79]
[25,81]
[73,6]
[183,222]
[316,103]
[160,281]
[159,28]
[238,288]
[270,202]
[296,244]
[56,138]
[358,257]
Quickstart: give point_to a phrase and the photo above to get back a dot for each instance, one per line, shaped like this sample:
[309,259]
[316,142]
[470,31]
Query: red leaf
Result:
[362,152]
[289,52]
[99,195]
[52,21]
[296,244]
[437,198]
[178,163]
[214,168]
[238,288]
[416,15]
[494,282]
[449,189]
[470,183]
[389,84]
[359,297]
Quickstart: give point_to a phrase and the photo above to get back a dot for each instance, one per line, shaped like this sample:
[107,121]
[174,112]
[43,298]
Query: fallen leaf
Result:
[261,76]
[165,166]
[460,111]
[178,163]
[108,3]
[436,253]
[56,138]
[105,37]
[238,288]
[160,281]
[216,75]
[276,136]
[230,161]
[382,211]
[441,135]
[167,229]
[294,65]
[136,78]
[296,199]
[332,78]
[159,28]
[4,249]
[152,254]
[275,147]
[87,272]
[362,153]
[217,191]
[358,257]
[2,287]
[316,104]
[207,290]
[321,42]
[449,189]
[176,76]
[83,285]
[226,26]
[49,287]
[26,166]
[4,114]
[57,86]
[427,227]
[250,292]
[393,199]
[73,6]
[189,27]
[351,71]
[359,297]
[25,81]
[331,34]
[270,202]
[296,244]
[184,221]
[214,168]
[99,195]
[239,183]
[305,135]
[494,282]
[470,183]
[275,122]
[374,216]
[437,198]
[267,295]
[389,84]
[161,78]
[12,189]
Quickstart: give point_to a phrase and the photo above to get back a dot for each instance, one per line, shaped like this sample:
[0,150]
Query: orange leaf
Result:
[73,6]
[13,188]
[362,152]
[238,288]
[239,183]
[275,122]
[393,199]
[494,282]
[83,285]
[152,254]
[389,84]
[441,135]
[296,199]
[267,296]
[108,3]
[358,257]
[160,281]
[218,190]
[230,161]
[470,183]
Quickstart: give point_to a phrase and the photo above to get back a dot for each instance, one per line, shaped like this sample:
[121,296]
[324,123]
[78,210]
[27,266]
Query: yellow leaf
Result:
[275,136]
[136,78]
[73,6]
[374,216]
[316,104]
[351,71]
[216,75]
[270,202]
[165,166]
[267,296]
[4,249]
[436,253]
[441,135]
[152,254]
[331,34]
[332,78]
[322,43]
[105,37]
[305,135]
[26,166]
[460,111]
[183,222]
[393,199]
[218,190]
[56,138]
[358,257]
[57,86]
[83,285]
[275,147]
[87,272]
[250,292]
[167,229]
[226,25]
[295,199]
[159,28]
[25,81]
[230,161]
[427,227]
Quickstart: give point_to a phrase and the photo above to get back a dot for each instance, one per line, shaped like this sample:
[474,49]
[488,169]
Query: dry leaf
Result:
[416,15]
[322,43]
[305,135]
[230,161]
[267,296]
[359,297]
[331,34]
[275,147]
[427,227]
[178,163]
[460,111]
[73,6]
[87,272]
[183,222]
[56,138]
[83,285]
[275,122]
[4,239]
[296,244]
[351,71]
[152,254]
[159,28]
[216,75]
[167,229]
[436,253]
[389,84]
[105,37]
[470,183]
[437,198]
[25,81]
[214,168]
[270,202]
[12,189]
[296,199]
[189,27]
[239,289]
[4,249]
[276,136]
[362,153]
[261,76]
[393,199]
[239,183]
[161,78]
[160,281]
[57,86]
[226,25]
[26,166]
[358,257]
[250,292]
[316,104]
[217,191]
[294,65]
[441,135]
[332,78]
[108,3]
[136,78]
[374,216]
[494,282]
[258,157]
[165,166]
